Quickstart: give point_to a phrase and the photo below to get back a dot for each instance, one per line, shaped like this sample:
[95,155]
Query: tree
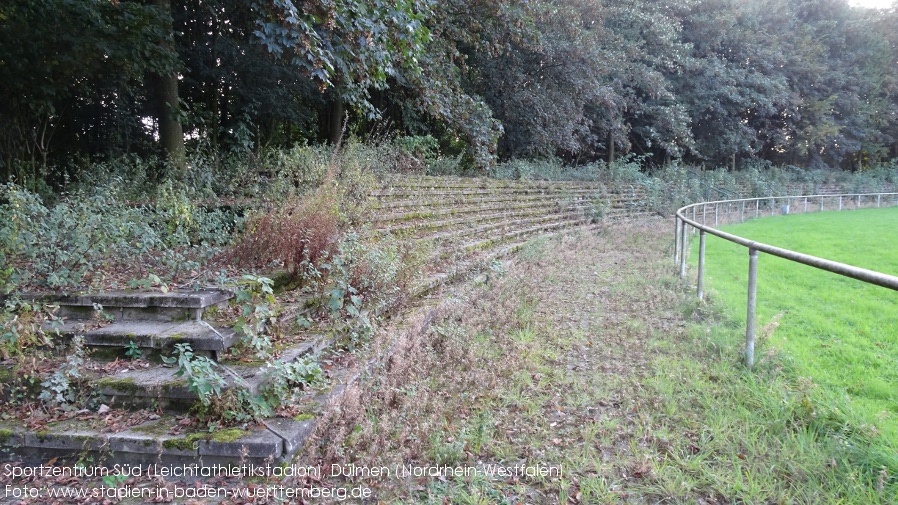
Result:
[80,58]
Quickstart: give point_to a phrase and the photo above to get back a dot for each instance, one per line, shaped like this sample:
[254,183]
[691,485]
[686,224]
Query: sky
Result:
[880,4]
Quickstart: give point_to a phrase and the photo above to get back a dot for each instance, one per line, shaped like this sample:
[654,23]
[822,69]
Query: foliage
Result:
[296,235]
[22,326]
[258,312]
[81,69]
[72,242]
[284,379]
[60,389]
[199,371]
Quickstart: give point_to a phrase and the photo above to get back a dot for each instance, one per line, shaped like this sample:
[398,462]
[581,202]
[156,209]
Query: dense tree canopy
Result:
[806,82]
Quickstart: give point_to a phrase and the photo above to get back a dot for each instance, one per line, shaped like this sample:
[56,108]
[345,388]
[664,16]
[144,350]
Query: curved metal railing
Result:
[755,207]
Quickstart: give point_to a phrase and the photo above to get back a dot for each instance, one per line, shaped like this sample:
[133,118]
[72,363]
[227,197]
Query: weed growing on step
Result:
[61,388]
[258,313]
[22,327]
[200,372]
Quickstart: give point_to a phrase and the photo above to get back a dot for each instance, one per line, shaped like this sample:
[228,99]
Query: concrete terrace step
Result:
[425,212]
[159,441]
[473,194]
[422,227]
[158,335]
[421,202]
[135,305]
[151,320]
[408,195]
[449,182]
[505,226]
[157,385]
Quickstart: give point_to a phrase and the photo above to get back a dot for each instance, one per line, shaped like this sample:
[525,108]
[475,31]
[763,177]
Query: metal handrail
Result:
[683,223]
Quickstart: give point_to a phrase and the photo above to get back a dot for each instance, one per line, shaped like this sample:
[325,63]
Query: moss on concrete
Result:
[304,417]
[122,385]
[181,444]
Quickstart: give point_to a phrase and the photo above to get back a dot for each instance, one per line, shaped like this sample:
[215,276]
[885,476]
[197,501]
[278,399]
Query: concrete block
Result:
[258,444]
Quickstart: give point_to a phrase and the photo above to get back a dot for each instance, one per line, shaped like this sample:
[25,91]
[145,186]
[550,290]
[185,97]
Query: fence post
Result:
[757,207]
[704,213]
[701,265]
[805,205]
[677,226]
[742,214]
[821,204]
[752,303]
[693,215]
[716,206]
[840,202]
[859,201]
[878,200]
[683,251]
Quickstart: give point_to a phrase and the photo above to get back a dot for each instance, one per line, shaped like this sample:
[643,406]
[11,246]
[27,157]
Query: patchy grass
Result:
[587,355]
[839,332]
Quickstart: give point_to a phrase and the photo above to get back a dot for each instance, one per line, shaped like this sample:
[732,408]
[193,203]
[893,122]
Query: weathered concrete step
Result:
[425,227]
[505,226]
[152,334]
[160,441]
[467,194]
[505,237]
[166,440]
[447,182]
[127,305]
[422,202]
[425,212]
[419,200]
[156,385]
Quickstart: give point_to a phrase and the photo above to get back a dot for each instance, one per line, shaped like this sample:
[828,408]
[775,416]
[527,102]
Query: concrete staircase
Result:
[463,222]
[154,323]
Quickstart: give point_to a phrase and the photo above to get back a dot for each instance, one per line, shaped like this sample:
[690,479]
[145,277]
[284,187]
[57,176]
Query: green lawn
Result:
[839,332]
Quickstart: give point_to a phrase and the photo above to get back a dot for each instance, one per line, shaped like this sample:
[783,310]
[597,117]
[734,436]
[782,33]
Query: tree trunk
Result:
[335,121]
[610,149]
[171,133]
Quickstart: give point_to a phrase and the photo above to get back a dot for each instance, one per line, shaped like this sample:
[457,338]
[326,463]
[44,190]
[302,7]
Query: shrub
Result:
[299,233]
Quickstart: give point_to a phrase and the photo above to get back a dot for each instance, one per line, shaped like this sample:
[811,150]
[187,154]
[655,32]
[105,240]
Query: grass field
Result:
[840,333]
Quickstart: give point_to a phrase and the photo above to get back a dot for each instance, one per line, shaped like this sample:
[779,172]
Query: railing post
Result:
[683,251]
[701,265]
[752,303]
[693,217]
[677,226]
[742,214]
[757,208]
[840,202]
[878,200]
[821,204]
[704,214]
[859,201]
[772,206]
[716,206]
[805,205]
